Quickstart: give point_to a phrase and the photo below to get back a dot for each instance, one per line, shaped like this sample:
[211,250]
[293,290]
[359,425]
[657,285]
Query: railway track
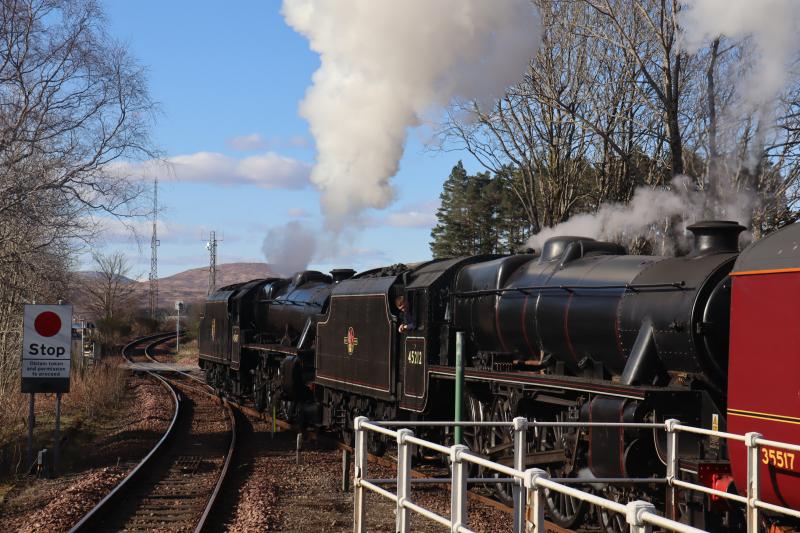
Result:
[388,462]
[197,379]
[176,486]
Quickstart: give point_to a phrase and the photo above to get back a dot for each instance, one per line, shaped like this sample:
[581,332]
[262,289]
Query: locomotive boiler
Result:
[578,331]
[594,310]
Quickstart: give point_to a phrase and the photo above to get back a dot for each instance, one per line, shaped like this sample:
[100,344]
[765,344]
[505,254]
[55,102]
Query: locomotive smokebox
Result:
[715,236]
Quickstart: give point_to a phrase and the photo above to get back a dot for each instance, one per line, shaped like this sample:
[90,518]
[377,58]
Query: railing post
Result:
[403,520]
[753,485]
[520,451]
[535,497]
[458,494]
[359,473]
[459,387]
[633,516]
[672,468]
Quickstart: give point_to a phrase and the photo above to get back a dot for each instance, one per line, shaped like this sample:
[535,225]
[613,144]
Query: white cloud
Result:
[411,219]
[268,170]
[299,141]
[116,231]
[273,171]
[256,141]
[248,143]
[422,215]
[297,212]
[361,254]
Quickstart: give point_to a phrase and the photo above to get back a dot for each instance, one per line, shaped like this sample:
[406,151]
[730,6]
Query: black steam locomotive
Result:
[577,332]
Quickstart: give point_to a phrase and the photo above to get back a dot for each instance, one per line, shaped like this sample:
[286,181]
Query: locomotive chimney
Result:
[341,274]
[715,236]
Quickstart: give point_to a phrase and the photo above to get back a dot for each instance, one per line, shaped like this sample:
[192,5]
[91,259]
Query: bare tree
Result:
[544,142]
[72,103]
[611,102]
[109,288]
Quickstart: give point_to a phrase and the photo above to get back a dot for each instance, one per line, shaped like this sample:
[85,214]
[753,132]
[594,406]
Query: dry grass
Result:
[188,353]
[93,392]
[99,388]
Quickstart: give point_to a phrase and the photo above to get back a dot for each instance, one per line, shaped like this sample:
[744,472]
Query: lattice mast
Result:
[154,242]
[211,246]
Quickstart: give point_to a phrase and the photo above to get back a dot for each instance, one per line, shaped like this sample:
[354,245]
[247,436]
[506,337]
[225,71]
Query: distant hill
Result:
[189,286]
[93,274]
[192,285]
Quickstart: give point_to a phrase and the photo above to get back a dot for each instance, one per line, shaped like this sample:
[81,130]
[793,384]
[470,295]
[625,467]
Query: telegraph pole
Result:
[154,242]
[211,246]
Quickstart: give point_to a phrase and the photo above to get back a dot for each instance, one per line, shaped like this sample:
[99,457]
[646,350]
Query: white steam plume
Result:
[647,215]
[289,248]
[772,26]
[385,64]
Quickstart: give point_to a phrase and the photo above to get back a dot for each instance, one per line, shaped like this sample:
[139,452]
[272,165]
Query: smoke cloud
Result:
[385,65]
[648,215]
[770,24]
[289,248]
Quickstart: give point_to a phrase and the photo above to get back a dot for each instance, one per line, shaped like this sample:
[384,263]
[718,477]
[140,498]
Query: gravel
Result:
[57,504]
[276,494]
[69,499]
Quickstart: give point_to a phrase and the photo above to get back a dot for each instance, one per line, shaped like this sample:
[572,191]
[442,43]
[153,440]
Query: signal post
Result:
[46,359]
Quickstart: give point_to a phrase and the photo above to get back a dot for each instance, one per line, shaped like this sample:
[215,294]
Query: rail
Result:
[534,482]
[90,520]
[212,499]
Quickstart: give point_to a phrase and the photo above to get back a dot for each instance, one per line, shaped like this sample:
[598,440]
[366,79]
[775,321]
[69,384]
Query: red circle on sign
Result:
[47,324]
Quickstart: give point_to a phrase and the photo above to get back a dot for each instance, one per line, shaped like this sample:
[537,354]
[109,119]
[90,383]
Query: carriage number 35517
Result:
[777,458]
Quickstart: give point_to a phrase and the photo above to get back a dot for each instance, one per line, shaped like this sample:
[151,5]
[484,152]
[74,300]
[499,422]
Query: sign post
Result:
[57,438]
[31,424]
[46,357]
[178,308]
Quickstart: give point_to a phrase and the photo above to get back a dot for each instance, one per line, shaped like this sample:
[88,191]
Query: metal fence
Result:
[529,485]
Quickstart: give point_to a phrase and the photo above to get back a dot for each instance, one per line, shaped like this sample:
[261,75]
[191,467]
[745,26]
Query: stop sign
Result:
[46,348]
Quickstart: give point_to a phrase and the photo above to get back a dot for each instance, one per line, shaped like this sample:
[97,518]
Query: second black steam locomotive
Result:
[577,332]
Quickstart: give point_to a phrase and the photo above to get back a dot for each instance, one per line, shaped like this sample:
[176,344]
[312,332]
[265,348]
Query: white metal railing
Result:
[533,482]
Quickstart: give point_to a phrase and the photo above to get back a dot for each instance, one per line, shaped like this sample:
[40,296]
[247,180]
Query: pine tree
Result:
[450,235]
[470,218]
[482,200]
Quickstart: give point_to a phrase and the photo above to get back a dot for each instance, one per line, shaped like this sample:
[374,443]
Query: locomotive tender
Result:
[577,332]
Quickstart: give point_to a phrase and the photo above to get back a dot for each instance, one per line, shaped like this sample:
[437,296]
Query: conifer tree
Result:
[478,215]
[450,235]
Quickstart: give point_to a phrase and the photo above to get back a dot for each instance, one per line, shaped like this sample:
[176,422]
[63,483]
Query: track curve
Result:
[169,489]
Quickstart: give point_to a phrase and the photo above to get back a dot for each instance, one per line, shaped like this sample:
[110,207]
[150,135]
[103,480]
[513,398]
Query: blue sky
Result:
[229,81]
